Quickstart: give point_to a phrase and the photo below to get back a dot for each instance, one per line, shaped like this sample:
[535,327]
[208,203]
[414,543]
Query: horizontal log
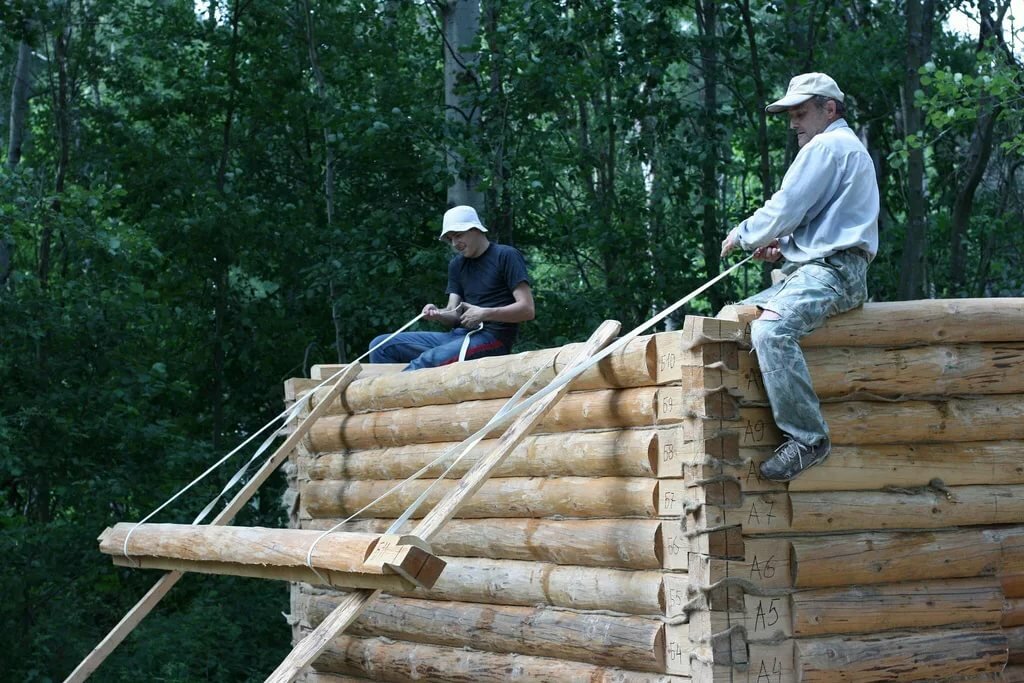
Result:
[645,361]
[845,372]
[532,584]
[621,543]
[323,371]
[915,323]
[908,605]
[505,497]
[611,453]
[339,559]
[987,418]
[828,511]
[932,656]
[397,662]
[599,639]
[880,466]
[871,558]
[606,409]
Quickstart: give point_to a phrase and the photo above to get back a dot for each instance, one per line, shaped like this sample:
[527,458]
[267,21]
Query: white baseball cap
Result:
[460,219]
[803,88]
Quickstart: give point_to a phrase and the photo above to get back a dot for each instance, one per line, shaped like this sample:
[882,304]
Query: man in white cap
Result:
[488,296]
[824,222]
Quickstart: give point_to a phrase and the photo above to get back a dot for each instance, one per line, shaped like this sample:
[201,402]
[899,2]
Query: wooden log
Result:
[851,372]
[623,543]
[879,557]
[915,323]
[930,655]
[909,605]
[508,497]
[611,408]
[322,371]
[970,463]
[523,421]
[398,662]
[763,562]
[827,511]
[611,453]
[600,639]
[988,418]
[531,584]
[338,559]
[645,361]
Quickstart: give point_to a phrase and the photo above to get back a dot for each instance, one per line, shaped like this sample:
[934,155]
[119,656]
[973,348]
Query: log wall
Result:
[630,537]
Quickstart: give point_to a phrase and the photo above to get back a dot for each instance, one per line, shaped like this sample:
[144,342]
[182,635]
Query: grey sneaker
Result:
[793,457]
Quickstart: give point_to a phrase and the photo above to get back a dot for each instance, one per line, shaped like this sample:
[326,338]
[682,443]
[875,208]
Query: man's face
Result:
[808,120]
[470,243]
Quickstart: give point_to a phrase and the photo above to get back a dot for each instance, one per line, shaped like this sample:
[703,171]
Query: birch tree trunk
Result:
[707,22]
[460,21]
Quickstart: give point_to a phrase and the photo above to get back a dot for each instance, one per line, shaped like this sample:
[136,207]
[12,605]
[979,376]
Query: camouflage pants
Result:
[813,292]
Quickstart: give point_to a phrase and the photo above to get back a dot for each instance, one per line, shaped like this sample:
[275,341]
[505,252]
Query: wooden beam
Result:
[645,361]
[155,594]
[622,543]
[310,647]
[630,642]
[930,655]
[582,497]
[609,408]
[610,453]
[915,323]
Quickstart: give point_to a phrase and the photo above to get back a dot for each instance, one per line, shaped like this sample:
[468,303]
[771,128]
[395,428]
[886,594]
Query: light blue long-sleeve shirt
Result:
[828,201]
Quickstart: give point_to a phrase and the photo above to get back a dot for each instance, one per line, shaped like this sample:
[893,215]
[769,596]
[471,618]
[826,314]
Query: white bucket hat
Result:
[460,219]
[803,88]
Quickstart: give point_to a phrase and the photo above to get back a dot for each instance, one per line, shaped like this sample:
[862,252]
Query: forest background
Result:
[201,200]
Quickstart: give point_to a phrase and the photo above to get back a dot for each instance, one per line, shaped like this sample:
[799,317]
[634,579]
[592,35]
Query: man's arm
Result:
[448,316]
[518,312]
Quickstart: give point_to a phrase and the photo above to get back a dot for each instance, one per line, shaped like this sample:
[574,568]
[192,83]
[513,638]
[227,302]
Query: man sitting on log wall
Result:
[488,296]
[824,222]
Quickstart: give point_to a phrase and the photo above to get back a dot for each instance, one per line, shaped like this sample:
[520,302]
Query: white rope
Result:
[509,411]
[286,416]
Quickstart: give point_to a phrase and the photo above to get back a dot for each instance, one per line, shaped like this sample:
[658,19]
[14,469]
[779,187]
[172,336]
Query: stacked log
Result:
[897,559]
[630,538]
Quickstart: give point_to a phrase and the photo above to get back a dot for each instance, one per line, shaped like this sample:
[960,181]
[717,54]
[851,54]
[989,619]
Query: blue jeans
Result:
[431,349]
[813,292]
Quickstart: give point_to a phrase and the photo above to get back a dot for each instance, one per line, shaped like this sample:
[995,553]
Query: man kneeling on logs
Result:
[488,296]
[824,222]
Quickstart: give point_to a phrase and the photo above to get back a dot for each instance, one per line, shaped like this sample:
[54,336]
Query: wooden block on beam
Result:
[407,556]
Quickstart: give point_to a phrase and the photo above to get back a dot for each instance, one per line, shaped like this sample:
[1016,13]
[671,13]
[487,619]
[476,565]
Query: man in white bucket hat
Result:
[488,296]
[824,222]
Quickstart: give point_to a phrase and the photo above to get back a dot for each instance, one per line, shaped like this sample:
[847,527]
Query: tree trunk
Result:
[20,91]
[976,161]
[920,16]
[461,22]
[499,207]
[707,21]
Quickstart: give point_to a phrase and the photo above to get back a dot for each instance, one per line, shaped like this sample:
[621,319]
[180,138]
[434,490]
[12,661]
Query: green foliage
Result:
[184,264]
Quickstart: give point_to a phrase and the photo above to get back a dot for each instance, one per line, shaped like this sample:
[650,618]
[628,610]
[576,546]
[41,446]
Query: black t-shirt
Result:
[488,281]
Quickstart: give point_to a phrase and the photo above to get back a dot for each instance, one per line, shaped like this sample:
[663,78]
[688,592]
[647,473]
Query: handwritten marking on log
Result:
[764,618]
[757,513]
[765,562]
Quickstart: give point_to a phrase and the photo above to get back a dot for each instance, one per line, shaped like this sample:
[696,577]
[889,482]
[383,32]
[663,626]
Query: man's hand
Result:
[769,252]
[731,242]
[472,316]
[431,312]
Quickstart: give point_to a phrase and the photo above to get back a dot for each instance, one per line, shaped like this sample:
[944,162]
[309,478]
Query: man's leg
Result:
[813,293]
[407,346]
[481,344]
